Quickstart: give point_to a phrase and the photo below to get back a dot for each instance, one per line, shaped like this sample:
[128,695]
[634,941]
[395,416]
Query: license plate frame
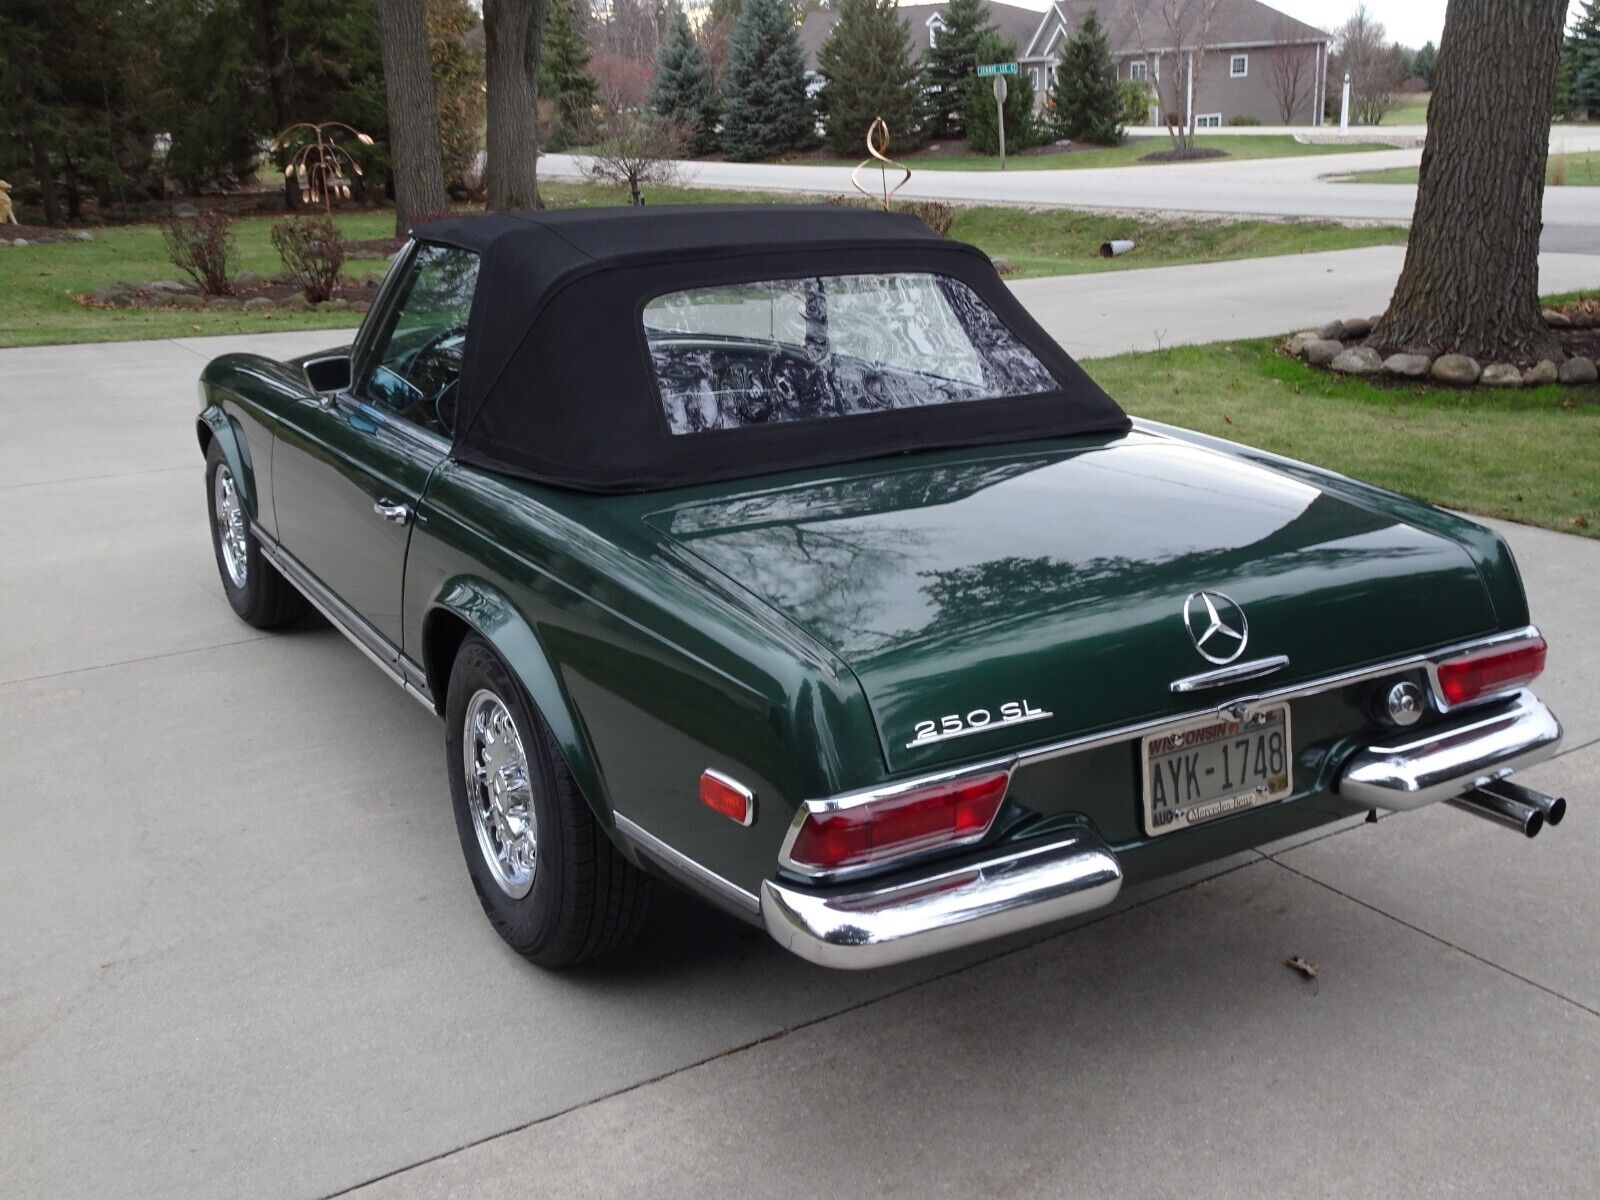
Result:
[1218,735]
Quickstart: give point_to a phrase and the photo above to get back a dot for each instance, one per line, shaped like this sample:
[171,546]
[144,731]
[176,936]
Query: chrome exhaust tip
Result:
[1502,809]
[1554,808]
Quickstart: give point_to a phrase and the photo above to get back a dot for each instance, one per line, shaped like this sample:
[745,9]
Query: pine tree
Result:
[1580,59]
[868,72]
[1424,64]
[1085,104]
[564,78]
[978,107]
[682,87]
[766,111]
[952,61]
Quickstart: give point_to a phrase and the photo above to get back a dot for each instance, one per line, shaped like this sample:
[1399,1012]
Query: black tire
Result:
[263,598]
[586,900]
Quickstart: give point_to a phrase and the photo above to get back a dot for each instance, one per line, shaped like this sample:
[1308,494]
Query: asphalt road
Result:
[1269,187]
[239,955]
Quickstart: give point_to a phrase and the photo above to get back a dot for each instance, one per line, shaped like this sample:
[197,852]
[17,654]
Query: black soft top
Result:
[556,383]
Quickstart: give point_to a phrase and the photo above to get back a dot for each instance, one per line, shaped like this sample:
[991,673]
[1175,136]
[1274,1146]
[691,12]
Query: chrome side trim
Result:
[725,889]
[946,908]
[849,800]
[1254,669]
[343,618]
[1446,762]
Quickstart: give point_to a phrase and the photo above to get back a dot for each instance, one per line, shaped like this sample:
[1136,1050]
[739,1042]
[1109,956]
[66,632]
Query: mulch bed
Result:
[357,294]
[1167,156]
[35,234]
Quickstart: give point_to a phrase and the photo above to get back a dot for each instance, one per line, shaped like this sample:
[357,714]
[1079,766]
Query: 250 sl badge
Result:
[979,720]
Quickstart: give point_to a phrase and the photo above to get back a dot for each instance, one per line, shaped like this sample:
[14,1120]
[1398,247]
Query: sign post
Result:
[999,71]
[1344,108]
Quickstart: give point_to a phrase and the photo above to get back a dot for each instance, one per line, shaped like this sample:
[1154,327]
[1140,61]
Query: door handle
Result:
[400,514]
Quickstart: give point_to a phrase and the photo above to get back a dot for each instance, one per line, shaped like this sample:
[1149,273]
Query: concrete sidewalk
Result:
[239,955]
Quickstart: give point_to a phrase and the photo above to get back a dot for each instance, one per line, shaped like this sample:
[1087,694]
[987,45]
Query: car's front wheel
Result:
[548,877]
[255,589]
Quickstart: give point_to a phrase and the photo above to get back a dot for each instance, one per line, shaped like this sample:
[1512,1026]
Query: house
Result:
[1257,64]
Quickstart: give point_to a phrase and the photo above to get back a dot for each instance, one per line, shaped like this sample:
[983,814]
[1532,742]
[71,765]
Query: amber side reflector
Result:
[942,814]
[728,797]
[1496,669]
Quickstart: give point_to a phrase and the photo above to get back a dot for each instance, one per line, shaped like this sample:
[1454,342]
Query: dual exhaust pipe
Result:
[1513,805]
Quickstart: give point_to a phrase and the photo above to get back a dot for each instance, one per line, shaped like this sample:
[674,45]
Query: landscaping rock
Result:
[1319,352]
[1332,331]
[1358,360]
[224,302]
[1357,327]
[258,304]
[1501,375]
[1457,369]
[83,235]
[1296,344]
[168,285]
[1543,372]
[296,301]
[185,212]
[1583,320]
[1578,370]
[19,241]
[112,293]
[1556,319]
[1410,366]
[337,305]
[249,278]
[187,300]
[1001,263]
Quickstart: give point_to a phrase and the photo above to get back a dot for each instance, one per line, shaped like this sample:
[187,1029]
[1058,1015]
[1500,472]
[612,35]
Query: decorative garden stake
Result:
[318,163]
[8,214]
[878,148]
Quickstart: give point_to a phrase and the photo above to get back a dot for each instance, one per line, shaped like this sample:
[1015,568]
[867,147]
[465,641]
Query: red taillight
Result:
[728,797]
[1495,669]
[941,814]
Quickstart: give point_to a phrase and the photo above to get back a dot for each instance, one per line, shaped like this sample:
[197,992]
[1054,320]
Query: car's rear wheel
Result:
[255,589]
[548,877]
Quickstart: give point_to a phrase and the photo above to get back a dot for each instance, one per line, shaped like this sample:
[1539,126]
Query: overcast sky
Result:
[1409,22]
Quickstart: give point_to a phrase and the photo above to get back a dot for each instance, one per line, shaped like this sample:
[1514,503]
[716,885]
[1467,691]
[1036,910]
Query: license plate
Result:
[1209,768]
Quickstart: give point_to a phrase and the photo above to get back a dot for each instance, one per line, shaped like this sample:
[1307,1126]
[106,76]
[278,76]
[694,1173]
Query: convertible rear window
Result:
[827,346]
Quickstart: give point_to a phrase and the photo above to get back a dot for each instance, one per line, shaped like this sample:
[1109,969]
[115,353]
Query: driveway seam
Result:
[781,1033]
[1401,921]
[126,662]
[40,483]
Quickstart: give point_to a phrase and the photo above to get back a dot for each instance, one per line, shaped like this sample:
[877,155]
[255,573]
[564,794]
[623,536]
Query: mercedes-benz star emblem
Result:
[1217,626]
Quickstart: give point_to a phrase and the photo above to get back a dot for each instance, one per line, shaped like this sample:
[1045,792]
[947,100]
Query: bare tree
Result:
[1176,34]
[636,148]
[1290,74]
[1470,282]
[413,112]
[1376,67]
[513,41]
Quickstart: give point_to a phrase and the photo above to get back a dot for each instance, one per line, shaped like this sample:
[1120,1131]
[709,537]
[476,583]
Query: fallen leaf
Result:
[1227,418]
[1580,522]
[1308,969]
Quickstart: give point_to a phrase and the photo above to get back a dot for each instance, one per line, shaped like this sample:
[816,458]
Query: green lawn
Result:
[1408,110]
[1130,154]
[39,282]
[1481,451]
[1573,170]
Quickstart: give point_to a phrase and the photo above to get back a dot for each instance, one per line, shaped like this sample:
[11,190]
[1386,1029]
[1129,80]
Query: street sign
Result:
[1000,89]
[987,69]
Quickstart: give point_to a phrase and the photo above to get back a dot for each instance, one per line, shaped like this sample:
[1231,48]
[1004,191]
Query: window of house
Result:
[1208,121]
[1138,69]
[1239,66]
[935,24]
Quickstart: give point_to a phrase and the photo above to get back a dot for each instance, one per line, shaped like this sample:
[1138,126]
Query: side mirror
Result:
[330,374]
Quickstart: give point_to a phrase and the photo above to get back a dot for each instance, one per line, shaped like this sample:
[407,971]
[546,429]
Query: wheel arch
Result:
[215,427]
[467,606]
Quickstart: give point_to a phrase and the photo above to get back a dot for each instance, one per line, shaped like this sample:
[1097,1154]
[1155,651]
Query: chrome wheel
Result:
[499,793]
[230,524]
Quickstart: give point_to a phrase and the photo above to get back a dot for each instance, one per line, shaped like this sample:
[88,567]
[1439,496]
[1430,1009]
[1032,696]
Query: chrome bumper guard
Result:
[1478,748]
[946,908]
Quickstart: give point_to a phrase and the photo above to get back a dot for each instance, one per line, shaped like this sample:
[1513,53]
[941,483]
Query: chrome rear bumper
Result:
[1478,747]
[945,908]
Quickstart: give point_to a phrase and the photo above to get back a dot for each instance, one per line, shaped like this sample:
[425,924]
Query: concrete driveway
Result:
[239,955]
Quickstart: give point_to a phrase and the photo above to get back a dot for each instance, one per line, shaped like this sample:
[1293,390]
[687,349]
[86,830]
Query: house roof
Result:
[1234,23]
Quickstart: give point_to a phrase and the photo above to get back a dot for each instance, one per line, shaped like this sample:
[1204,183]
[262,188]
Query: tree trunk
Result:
[45,172]
[275,53]
[1471,278]
[513,37]
[413,112]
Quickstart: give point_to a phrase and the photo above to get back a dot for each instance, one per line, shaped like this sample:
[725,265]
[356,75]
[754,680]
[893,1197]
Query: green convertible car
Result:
[780,553]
